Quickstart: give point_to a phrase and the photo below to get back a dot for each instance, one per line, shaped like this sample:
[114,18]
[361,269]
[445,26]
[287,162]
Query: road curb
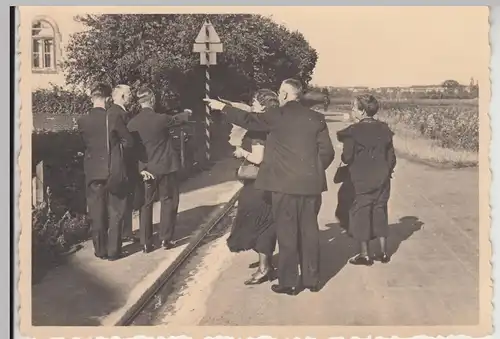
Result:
[128,313]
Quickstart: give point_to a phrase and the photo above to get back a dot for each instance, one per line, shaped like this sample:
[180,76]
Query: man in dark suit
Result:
[121,98]
[158,164]
[102,131]
[298,151]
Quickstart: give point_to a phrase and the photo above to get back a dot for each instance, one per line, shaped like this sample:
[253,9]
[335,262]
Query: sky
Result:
[392,46]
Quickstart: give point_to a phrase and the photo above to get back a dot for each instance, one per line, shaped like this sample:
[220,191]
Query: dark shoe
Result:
[382,257]
[102,257]
[167,244]
[147,248]
[259,278]
[254,265]
[130,239]
[314,288]
[284,290]
[361,260]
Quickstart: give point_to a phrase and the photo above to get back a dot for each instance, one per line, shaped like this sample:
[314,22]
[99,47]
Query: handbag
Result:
[117,178]
[247,171]
[342,174]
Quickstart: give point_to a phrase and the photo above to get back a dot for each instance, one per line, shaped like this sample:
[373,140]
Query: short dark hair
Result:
[100,90]
[295,84]
[144,94]
[367,103]
[267,98]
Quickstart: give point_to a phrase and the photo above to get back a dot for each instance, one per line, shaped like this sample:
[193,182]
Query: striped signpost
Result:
[208,44]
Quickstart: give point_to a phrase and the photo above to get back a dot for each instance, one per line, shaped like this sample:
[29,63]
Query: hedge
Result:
[58,101]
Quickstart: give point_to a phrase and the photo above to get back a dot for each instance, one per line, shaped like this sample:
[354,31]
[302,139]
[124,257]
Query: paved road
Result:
[431,280]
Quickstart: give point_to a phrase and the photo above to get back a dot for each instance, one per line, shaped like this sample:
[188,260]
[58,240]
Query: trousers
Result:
[106,214]
[167,188]
[297,229]
[127,217]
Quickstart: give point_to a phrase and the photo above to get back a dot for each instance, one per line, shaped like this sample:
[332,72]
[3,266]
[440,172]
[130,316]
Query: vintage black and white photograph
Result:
[290,167]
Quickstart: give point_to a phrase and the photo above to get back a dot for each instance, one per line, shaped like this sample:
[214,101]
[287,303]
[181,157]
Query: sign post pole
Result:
[208,44]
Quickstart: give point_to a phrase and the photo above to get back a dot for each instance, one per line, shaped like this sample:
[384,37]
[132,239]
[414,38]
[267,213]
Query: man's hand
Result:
[215,104]
[239,152]
[183,116]
[146,176]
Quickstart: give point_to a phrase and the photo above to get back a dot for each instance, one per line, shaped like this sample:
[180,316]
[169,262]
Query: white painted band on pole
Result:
[207,115]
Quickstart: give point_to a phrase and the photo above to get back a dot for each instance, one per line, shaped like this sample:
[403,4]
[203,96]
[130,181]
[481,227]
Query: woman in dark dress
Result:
[253,227]
[345,196]
[369,154]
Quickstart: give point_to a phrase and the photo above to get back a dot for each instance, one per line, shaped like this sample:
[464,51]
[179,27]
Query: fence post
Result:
[38,185]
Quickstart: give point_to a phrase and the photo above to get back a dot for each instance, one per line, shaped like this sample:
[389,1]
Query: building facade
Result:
[50,35]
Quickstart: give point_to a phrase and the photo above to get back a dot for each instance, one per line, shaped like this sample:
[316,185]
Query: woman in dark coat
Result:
[253,227]
[369,153]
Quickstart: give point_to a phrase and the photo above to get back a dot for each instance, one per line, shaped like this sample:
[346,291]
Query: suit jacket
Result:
[93,130]
[130,161]
[119,110]
[298,148]
[369,153]
[154,146]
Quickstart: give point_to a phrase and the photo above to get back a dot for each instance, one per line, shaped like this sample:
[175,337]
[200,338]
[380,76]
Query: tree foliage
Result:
[157,50]
[451,84]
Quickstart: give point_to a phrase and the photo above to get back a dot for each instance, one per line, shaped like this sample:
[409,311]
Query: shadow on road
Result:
[69,303]
[338,248]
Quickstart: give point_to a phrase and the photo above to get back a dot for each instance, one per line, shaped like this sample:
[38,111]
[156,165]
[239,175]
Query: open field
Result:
[412,144]
[444,135]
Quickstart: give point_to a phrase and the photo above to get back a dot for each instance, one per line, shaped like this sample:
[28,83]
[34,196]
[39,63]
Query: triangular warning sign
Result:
[214,37]
[207,34]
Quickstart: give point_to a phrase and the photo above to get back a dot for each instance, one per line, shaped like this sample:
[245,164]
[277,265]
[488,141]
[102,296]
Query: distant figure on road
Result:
[298,152]
[103,133]
[253,227]
[121,98]
[369,153]
[158,164]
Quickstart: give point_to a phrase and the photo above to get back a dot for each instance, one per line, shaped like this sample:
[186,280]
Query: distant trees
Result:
[451,84]
[449,89]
